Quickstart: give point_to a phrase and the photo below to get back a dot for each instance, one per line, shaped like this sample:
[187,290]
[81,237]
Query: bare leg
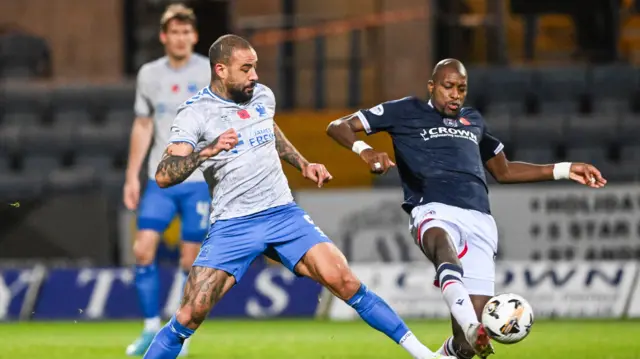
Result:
[204,288]
[188,253]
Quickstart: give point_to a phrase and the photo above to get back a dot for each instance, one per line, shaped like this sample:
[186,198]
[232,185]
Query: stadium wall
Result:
[535,222]
[85,37]
[555,290]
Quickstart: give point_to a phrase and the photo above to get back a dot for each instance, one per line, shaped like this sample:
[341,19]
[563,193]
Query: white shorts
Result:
[474,235]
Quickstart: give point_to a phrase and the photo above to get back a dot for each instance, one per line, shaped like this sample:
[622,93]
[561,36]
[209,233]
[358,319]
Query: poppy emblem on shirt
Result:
[464,121]
[244,114]
[175,88]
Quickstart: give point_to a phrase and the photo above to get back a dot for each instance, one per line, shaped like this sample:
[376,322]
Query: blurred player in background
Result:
[162,86]
[228,131]
[441,149]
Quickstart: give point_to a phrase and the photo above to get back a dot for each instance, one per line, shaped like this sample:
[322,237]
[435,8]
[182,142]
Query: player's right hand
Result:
[379,162]
[131,194]
[225,142]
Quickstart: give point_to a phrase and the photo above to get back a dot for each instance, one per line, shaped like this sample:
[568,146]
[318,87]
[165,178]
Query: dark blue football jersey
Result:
[439,159]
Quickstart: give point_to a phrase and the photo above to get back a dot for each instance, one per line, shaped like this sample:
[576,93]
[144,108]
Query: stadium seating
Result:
[61,137]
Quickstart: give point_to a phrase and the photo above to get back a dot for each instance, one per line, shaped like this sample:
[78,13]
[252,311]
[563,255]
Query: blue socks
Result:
[378,314]
[148,287]
[168,342]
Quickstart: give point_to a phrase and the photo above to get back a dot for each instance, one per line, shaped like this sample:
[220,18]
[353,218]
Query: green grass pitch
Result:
[301,339]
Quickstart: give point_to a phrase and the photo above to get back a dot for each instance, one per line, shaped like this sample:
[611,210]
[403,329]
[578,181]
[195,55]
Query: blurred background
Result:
[556,81]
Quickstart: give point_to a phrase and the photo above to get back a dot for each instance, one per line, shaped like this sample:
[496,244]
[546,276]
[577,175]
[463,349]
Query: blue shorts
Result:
[191,200]
[232,244]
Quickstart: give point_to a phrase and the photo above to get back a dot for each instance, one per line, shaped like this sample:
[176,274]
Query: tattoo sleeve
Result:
[287,152]
[172,170]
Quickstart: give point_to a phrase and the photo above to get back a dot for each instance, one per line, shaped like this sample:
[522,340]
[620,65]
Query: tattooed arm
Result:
[287,152]
[177,164]
[179,160]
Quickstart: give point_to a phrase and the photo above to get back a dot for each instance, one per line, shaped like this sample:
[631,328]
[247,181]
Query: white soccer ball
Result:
[508,318]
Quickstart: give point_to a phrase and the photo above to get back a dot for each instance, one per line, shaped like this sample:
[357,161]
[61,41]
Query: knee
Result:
[343,283]
[144,248]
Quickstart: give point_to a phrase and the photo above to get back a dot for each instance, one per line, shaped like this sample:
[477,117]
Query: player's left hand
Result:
[587,175]
[317,173]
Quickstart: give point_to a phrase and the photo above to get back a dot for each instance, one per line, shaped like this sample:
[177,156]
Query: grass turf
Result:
[312,339]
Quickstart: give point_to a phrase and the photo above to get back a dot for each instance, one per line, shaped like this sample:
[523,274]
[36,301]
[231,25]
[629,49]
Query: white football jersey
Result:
[160,90]
[249,178]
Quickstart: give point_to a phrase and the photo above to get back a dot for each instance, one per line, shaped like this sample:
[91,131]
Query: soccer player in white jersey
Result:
[162,86]
[228,131]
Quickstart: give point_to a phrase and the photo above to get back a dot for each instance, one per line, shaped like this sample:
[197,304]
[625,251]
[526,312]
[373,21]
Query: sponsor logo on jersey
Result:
[440,132]
[261,136]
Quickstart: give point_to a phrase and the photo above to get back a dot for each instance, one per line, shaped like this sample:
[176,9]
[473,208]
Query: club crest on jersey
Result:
[192,87]
[244,114]
[449,122]
[261,110]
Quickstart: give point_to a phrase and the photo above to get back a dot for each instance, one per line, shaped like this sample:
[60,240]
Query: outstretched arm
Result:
[287,151]
[313,171]
[505,171]
[343,131]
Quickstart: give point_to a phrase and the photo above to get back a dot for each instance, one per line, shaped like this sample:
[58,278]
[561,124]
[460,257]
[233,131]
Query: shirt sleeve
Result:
[490,146]
[143,106]
[379,118]
[186,127]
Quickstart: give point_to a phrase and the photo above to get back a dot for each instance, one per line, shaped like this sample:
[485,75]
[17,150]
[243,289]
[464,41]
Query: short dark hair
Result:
[177,12]
[221,50]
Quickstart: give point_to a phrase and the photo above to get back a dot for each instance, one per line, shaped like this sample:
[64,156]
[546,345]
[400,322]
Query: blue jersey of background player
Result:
[441,151]
[162,86]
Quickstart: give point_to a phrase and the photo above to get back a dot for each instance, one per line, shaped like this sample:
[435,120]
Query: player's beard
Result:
[241,94]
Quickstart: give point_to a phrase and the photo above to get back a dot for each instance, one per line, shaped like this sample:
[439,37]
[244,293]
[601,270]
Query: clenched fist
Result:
[225,142]
[379,162]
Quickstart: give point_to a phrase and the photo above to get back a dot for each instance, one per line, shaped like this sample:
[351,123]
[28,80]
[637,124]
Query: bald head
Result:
[448,65]
[222,49]
[448,87]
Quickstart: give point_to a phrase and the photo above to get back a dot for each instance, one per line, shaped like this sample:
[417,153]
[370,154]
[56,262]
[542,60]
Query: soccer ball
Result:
[508,318]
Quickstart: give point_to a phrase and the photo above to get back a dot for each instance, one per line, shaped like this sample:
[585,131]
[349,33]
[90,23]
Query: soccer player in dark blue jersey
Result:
[441,150]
